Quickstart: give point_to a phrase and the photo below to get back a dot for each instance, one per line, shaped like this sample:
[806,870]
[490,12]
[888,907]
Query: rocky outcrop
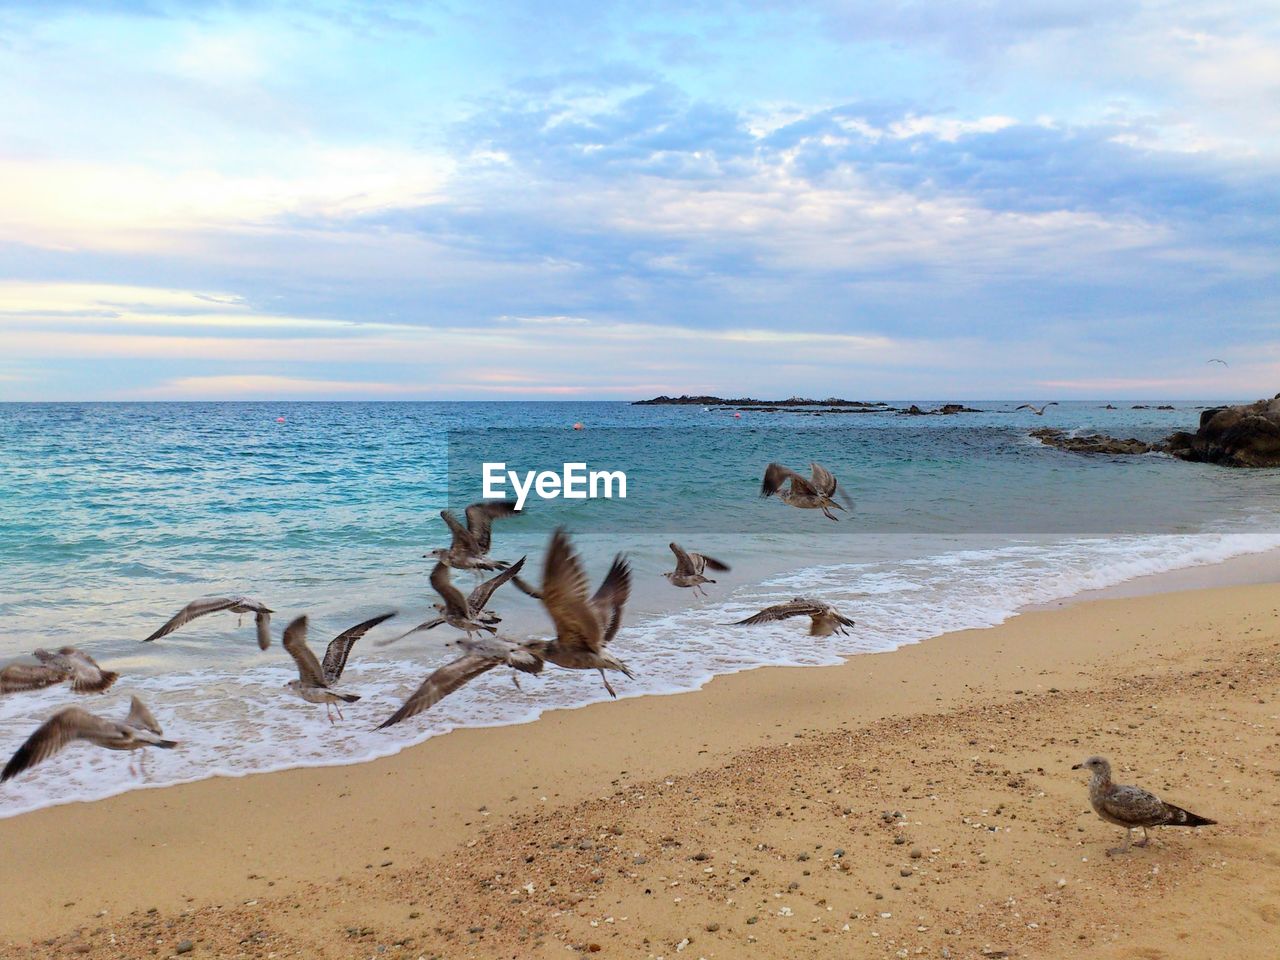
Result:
[1244,436]
[746,403]
[1093,443]
[945,410]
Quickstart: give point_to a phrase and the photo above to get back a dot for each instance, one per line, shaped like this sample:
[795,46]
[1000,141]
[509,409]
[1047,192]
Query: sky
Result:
[870,199]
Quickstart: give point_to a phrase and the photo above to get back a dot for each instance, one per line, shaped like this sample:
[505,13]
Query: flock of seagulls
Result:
[585,624]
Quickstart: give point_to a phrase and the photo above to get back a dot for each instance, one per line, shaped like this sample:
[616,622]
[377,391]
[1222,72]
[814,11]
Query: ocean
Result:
[115,515]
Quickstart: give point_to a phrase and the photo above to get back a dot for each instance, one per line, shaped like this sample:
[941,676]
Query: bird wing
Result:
[455,603]
[295,642]
[783,611]
[1025,406]
[440,684]
[702,562]
[479,597]
[65,726]
[140,716]
[335,655]
[823,480]
[196,608]
[684,562]
[462,537]
[19,677]
[611,597]
[1133,805]
[564,594]
[428,625]
[1051,403]
[86,675]
[480,517]
[775,475]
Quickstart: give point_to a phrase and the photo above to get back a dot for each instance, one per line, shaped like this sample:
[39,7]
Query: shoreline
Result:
[311,832]
[1240,569]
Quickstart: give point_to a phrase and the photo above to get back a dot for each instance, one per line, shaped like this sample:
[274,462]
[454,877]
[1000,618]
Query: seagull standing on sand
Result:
[472,611]
[469,548]
[315,681]
[583,628]
[815,493]
[240,605]
[1038,411]
[824,618]
[1132,807]
[138,730]
[690,567]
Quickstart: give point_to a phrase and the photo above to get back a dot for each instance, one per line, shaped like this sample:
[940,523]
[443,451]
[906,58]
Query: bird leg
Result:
[1146,838]
[829,515]
[339,709]
[515,678]
[328,712]
[612,693]
[1128,839]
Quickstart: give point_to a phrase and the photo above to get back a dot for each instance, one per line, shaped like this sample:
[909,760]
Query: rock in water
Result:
[1243,436]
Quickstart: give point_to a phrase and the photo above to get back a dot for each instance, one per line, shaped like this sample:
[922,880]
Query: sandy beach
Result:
[913,803]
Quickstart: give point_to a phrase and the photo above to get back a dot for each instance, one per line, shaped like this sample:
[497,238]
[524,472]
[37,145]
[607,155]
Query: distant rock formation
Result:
[945,410]
[1093,443]
[745,403]
[1243,436]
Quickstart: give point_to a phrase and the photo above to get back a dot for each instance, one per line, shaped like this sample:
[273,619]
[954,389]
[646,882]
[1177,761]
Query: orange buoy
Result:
[577,426]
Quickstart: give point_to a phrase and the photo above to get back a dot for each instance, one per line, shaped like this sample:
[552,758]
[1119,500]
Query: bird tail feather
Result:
[1185,818]
[349,697]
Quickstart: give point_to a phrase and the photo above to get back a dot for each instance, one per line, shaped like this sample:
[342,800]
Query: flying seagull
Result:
[815,493]
[21,677]
[240,605]
[481,656]
[315,680]
[690,567]
[825,619]
[473,612]
[80,668]
[139,729]
[1216,360]
[1038,411]
[1131,807]
[469,548]
[584,627]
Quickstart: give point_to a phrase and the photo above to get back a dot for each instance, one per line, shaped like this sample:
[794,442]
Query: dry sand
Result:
[916,803]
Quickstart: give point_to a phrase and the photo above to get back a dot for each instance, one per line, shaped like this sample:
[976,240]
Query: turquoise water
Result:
[114,515]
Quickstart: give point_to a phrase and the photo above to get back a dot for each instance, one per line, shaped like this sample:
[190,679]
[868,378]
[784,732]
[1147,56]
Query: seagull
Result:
[240,605]
[805,493]
[20,677]
[1216,360]
[481,656]
[315,681]
[583,628]
[690,567]
[826,620]
[1131,807]
[1038,411]
[83,671]
[139,729]
[473,616]
[470,545]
